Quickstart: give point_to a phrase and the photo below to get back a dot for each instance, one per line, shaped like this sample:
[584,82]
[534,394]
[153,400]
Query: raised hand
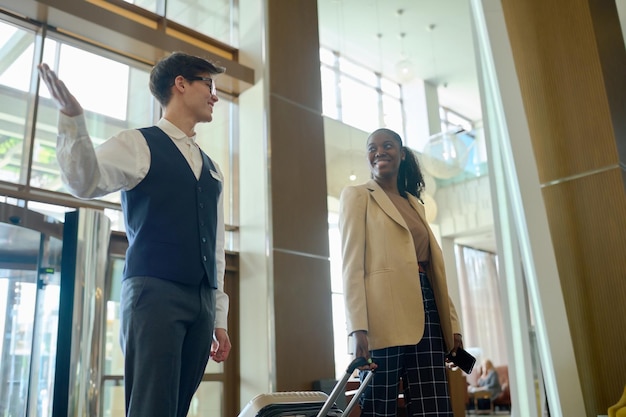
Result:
[65,101]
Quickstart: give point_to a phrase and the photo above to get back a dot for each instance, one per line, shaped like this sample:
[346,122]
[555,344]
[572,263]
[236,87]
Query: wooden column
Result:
[303,330]
[571,63]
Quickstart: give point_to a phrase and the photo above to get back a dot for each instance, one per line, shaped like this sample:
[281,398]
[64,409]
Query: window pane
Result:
[207,401]
[343,350]
[211,18]
[104,88]
[327,57]
[17,50]
[329,93]
[392,114]
[390,88]
[359,104]
[52,210]
[17,47]
[116,217]
[358,96]
[152,5]
[334,239]
[214,139]
[112,401]
[100,84]
[358,72]
[457,120]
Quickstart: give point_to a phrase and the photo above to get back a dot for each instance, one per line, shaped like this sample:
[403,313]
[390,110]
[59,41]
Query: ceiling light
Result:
[404,68]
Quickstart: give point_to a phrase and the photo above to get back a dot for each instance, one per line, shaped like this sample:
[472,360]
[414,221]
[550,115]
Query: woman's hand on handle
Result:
[361,349]
[66,102]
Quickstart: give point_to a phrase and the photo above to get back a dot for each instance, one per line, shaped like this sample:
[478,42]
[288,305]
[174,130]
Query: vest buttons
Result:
[201,205]
[199,189]
[204,240]
[204,258]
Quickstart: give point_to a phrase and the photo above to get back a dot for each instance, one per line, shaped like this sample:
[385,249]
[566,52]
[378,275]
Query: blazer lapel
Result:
[385,203]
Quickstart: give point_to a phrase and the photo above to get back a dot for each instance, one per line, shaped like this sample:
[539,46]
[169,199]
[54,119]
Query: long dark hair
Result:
[410,178]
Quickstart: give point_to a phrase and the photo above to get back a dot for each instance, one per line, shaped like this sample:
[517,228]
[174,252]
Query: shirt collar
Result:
[174,132]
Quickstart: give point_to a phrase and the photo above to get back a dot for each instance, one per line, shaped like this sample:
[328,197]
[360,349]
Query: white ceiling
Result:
[438,41]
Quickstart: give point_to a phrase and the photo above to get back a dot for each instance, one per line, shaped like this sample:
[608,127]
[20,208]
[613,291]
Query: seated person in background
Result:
[488,380]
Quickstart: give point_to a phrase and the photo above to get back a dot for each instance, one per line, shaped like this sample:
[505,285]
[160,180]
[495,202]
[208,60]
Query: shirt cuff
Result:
[72,126]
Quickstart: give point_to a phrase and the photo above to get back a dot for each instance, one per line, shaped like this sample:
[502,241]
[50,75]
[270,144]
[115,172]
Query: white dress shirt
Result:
[120,163]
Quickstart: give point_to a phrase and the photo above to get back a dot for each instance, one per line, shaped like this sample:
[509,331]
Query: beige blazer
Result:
[380,272]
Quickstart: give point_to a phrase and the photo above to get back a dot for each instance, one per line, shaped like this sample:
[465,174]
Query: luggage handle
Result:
[355,398]
[339,387]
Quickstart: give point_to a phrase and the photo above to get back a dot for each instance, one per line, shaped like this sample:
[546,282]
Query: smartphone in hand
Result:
[463,359]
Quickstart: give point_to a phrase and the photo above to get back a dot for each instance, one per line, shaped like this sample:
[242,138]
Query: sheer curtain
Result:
[483,328]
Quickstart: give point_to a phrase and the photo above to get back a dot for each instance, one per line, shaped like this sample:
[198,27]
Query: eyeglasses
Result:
[209,82]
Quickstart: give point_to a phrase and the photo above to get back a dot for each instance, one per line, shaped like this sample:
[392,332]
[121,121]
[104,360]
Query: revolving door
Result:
[51,311]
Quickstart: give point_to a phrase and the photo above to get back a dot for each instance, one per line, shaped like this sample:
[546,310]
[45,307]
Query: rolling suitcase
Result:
[307,403]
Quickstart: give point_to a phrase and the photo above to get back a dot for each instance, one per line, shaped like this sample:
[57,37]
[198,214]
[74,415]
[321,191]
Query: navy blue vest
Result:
[171,218]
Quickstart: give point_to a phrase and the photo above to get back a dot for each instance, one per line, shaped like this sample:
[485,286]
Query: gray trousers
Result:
[166,330]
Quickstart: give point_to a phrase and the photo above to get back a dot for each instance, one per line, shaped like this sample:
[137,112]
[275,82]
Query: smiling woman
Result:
[398,309]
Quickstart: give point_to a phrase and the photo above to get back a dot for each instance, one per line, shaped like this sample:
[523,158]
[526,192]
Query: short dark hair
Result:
[168,68]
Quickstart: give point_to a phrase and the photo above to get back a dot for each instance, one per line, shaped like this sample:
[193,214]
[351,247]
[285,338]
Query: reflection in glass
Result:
[214,19]
[17,48]
[29,304]
[46,321]
[152,5]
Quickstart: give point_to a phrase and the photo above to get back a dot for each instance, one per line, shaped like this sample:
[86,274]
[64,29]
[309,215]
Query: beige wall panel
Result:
[299,204]
[561,78]
[294,52]
[588,228]
[303,321]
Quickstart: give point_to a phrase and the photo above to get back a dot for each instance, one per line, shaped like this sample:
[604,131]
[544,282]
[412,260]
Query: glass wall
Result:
[358,96]
[18,49]
[29,315]
[112,89]
[215,19]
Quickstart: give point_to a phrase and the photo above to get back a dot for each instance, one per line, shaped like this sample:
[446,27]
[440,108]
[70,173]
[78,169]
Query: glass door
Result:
[30,263]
